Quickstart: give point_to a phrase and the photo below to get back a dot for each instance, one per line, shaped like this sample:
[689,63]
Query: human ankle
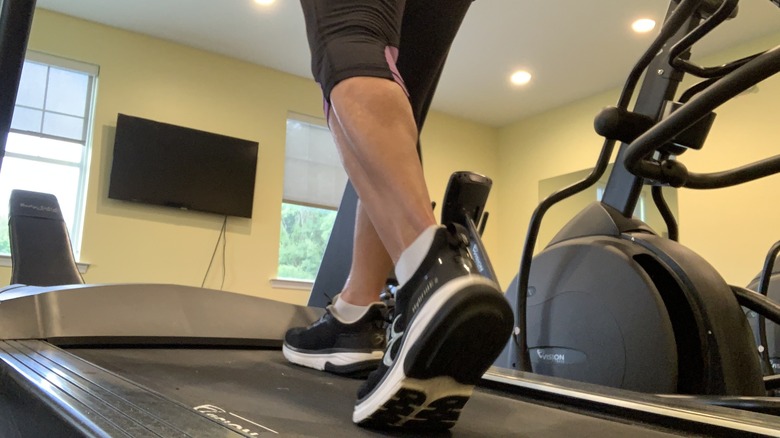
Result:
[414,254]
[347,312]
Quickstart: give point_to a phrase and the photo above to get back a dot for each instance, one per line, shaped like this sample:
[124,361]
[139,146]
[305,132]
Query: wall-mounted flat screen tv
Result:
[163,164]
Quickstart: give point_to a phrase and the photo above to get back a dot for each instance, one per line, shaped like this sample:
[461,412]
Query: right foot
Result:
[449,325]
[338,347]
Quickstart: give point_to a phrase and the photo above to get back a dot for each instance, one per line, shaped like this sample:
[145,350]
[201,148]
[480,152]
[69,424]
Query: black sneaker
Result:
[449,325]
[331,345]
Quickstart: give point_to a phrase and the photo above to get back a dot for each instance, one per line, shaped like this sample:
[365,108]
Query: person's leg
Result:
[420,67]
[449,323]
[373,120]
[371,264]
[349,337]
[428,29]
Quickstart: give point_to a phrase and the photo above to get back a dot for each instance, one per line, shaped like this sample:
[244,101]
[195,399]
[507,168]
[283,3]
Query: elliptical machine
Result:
[767,334]
[610,302]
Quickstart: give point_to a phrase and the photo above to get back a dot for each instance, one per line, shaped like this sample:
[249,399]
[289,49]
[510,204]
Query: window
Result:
[314,182]
[639,210]
[48,146]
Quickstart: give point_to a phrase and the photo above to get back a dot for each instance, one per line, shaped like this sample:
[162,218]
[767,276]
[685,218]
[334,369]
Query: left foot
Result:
[338,347]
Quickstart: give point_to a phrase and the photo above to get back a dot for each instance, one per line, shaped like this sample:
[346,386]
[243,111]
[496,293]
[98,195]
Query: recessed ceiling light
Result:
[264,2]
[521,77]
[643,25]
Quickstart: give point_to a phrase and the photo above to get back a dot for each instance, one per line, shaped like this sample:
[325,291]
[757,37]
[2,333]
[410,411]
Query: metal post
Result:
[15,22]
[659,86]
[337,259]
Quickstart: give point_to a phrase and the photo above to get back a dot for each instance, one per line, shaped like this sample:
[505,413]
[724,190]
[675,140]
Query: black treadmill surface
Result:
[259,392]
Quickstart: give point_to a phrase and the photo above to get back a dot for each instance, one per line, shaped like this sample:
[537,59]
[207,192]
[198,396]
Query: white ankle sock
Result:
[346,312]
[413,256]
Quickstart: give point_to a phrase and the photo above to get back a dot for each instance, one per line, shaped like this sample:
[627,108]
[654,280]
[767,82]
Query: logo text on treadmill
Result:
[220,415]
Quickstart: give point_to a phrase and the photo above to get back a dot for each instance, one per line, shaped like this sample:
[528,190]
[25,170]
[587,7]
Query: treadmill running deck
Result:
[259,392]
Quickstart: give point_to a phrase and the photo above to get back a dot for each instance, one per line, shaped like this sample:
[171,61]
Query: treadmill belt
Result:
[258,393]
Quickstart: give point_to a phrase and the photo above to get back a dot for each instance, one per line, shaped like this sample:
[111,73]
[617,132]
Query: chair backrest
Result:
[41,252]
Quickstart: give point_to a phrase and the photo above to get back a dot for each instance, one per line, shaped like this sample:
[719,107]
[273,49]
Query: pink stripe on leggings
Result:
[391,55]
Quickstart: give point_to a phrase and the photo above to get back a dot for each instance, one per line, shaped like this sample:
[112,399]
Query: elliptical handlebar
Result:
[727,9]
[682,13]
[674,173]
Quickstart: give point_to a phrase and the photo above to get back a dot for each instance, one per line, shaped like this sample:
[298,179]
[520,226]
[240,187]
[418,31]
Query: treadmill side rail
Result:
[147,314]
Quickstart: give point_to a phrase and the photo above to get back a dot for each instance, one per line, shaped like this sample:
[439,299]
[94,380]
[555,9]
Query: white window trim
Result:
[288,283]
[60,62]
[5,261]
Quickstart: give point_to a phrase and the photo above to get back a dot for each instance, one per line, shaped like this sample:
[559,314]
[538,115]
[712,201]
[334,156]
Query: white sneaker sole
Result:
[319,361]
[421,394]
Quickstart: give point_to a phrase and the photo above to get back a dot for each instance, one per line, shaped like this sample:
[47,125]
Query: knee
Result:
[365,89]
[344,59]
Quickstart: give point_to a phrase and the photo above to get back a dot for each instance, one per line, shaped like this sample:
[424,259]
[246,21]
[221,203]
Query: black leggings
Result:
[402,40]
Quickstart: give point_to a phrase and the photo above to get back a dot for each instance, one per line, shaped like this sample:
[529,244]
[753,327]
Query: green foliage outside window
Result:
[304,235]
[5,245]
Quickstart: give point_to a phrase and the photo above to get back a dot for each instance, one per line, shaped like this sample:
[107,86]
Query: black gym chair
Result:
[41,251]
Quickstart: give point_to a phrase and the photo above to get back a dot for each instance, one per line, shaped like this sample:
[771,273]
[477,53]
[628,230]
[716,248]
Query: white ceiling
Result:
[574,48]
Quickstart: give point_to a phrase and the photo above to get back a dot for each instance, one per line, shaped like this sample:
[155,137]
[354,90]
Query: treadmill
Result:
[157,360]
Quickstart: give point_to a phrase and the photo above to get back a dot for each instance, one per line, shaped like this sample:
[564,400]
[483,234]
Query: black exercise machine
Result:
[46,260]
[767,334]
[610,302]
[15,22]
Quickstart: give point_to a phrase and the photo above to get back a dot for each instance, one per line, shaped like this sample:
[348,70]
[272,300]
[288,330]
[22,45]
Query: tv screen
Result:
[163,164]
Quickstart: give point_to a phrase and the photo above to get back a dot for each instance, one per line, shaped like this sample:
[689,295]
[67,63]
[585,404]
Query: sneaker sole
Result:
[337,362]
[447,348]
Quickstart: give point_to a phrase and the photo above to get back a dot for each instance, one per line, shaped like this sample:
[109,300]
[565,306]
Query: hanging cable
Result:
[222,237]
[224,251]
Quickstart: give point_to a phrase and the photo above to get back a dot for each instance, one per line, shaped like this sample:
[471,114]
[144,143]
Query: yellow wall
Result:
[731,228]
[168,82]
[451,144]
[540,147]
[160,80]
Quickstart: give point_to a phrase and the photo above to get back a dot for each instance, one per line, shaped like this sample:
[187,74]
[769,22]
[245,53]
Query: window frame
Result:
[297,283]
[76,230]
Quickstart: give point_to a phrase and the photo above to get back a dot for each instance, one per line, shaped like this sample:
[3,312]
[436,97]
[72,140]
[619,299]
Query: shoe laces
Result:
[387,296]
[325,316]
[457,239]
